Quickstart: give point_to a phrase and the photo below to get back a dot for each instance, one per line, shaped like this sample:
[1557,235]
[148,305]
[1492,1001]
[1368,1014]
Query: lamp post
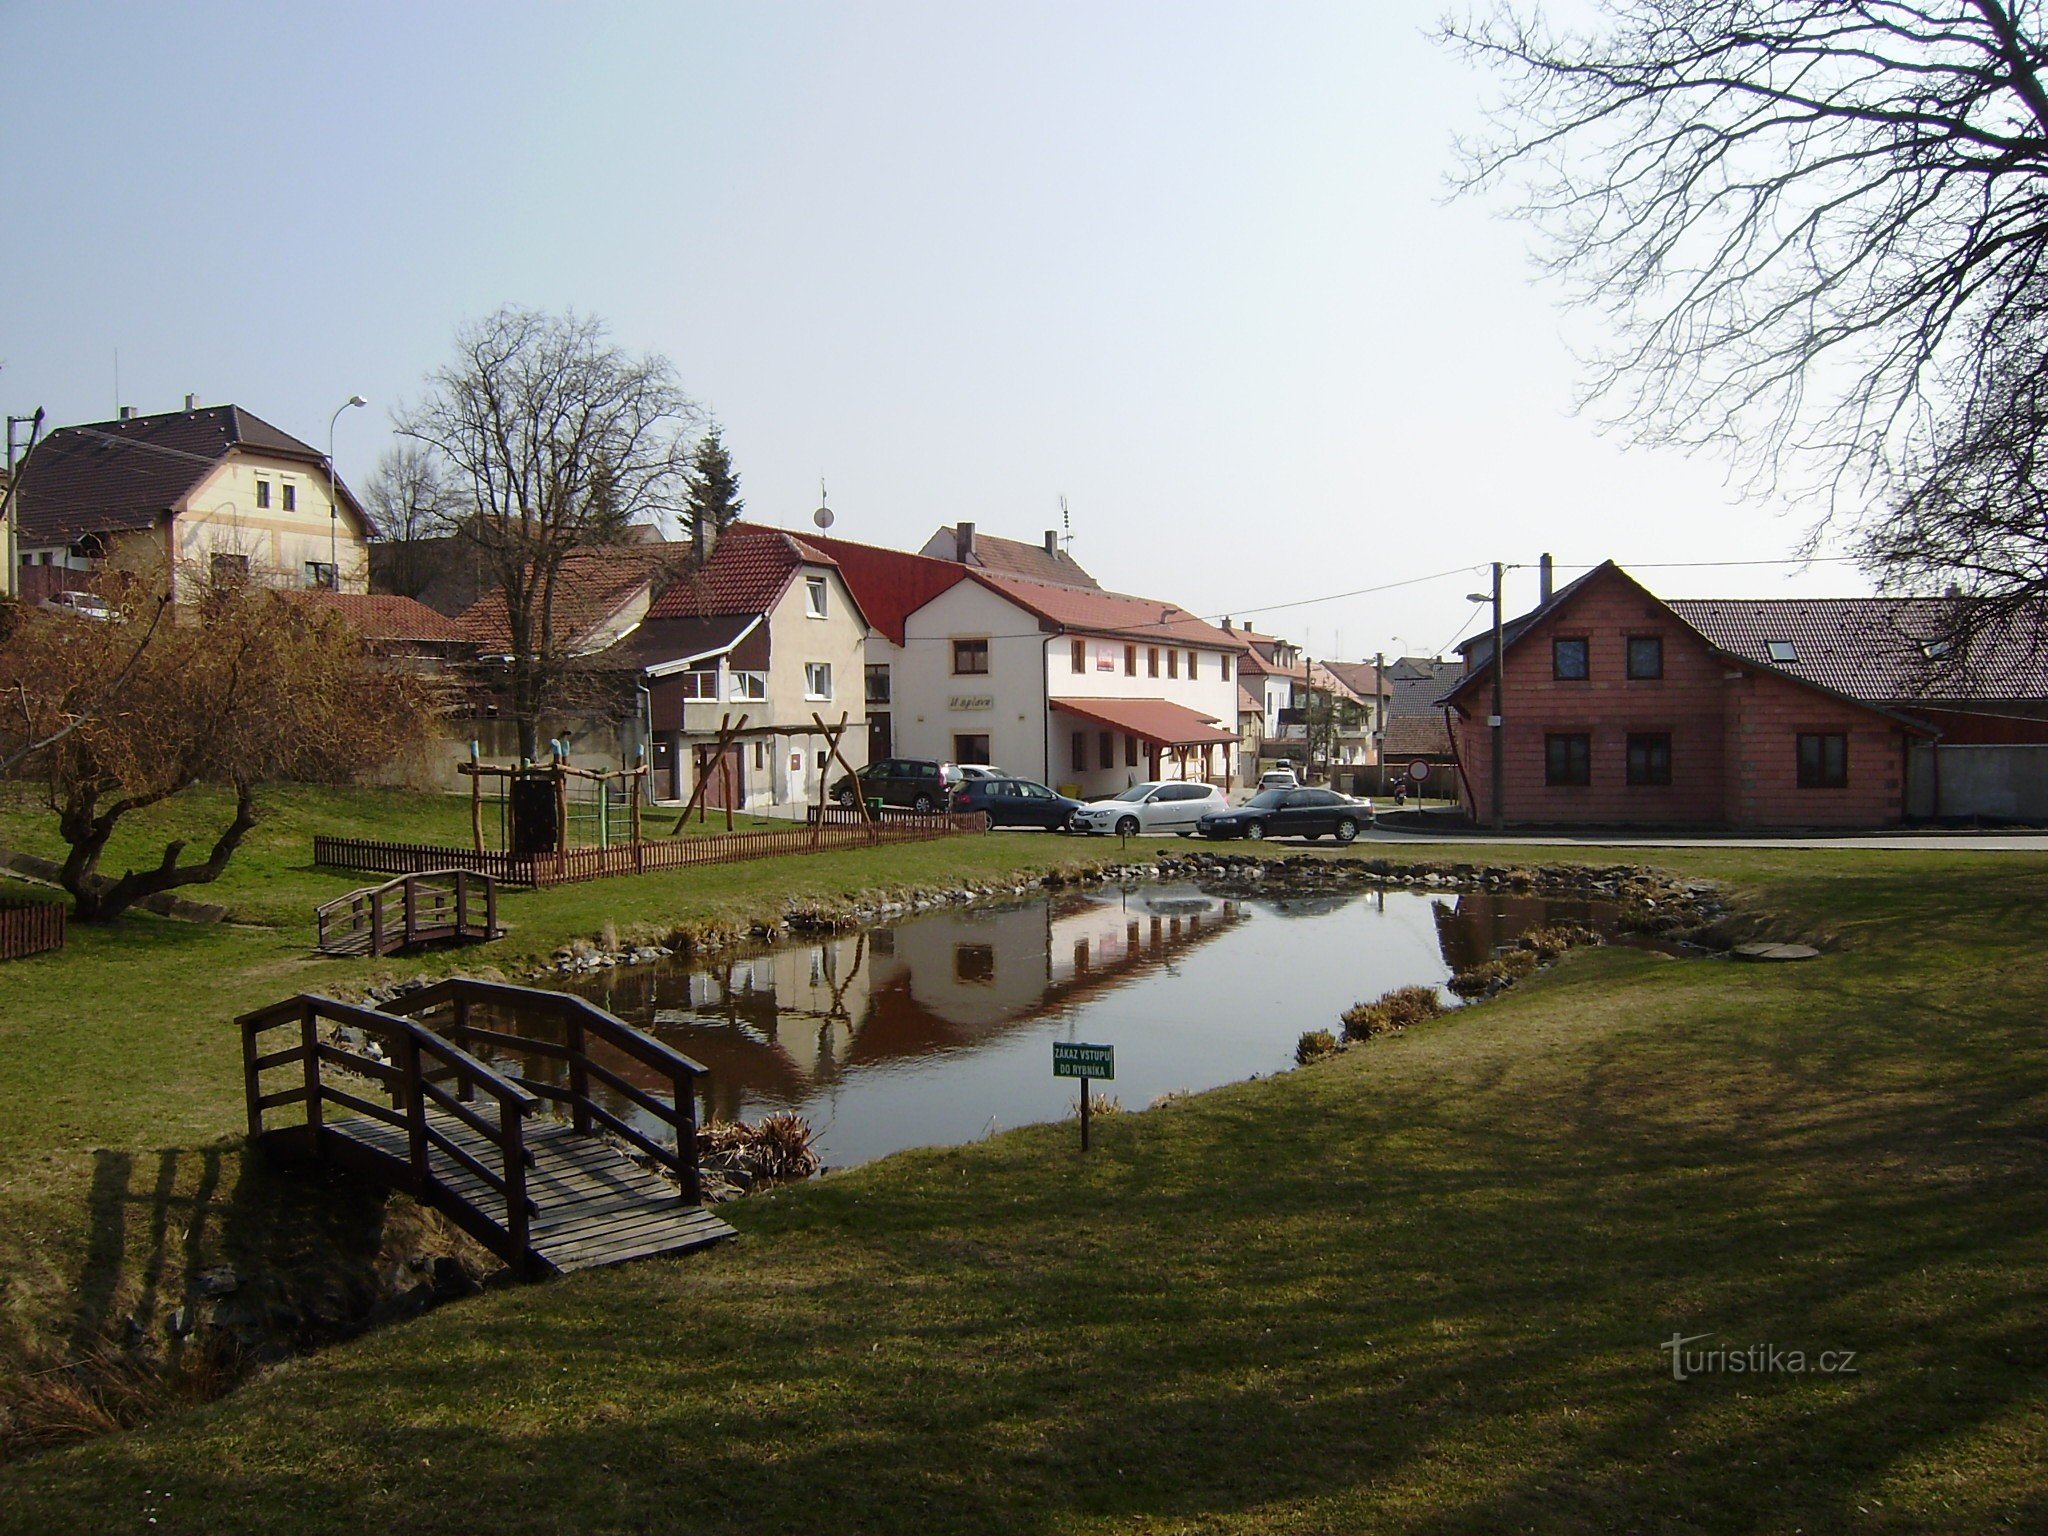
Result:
[1495,723]
[334,498]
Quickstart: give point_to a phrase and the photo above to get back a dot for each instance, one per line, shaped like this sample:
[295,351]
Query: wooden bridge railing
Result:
[582,1024]
[420,1068]
[431,904]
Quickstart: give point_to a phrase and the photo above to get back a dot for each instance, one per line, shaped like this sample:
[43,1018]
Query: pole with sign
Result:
[1086,1062]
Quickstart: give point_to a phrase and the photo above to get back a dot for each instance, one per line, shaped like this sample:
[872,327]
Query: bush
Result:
[1314,1045]
[1549,943]
[1397,1010]
[1502,971]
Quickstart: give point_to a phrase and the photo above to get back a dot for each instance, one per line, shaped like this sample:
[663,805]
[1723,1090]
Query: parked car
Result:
[1278,778]
[963,772]
[1297,812]
[1152,807]
[915,783]
[81,605]
[1016,803]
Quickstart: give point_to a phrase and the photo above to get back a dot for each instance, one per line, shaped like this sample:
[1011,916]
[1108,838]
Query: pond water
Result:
[938,1028]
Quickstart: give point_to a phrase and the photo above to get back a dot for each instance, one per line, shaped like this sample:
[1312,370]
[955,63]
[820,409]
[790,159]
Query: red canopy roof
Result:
[1153,720]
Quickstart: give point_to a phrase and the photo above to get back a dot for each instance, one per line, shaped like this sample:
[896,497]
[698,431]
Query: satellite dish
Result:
[822,517]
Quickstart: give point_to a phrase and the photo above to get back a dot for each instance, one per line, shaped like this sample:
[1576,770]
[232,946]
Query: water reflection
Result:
[937,1028]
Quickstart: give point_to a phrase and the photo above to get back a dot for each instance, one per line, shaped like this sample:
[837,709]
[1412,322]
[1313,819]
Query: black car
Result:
[1290,813]
[1016,803]
[916,783]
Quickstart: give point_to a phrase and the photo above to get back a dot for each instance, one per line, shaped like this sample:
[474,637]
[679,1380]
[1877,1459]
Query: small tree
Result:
[712,492]
[244,687]
[558,442]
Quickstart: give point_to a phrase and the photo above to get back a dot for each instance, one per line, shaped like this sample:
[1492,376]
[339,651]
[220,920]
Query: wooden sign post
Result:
[1086,1062]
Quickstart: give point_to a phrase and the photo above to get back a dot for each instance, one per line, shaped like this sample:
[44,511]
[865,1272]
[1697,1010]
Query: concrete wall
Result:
[1998,783]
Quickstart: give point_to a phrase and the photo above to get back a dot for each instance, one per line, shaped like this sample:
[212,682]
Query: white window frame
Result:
[818,680]
[752,686]
[814,597]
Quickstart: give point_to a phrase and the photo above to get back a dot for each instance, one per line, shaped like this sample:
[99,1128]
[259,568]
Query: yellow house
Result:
[208,493]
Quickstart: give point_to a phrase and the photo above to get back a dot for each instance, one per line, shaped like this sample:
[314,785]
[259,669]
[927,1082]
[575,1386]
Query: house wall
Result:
[2004,781]
[932,705]
[220,516]
[1734,732]
[1103,676]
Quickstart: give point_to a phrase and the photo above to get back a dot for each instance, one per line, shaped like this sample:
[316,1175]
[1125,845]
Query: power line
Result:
[1334,597]
[1696,565]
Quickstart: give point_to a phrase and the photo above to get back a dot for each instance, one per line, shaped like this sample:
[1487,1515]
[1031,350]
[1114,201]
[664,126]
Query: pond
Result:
[938,1028]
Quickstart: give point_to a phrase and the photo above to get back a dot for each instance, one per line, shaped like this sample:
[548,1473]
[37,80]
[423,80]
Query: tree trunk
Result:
[96,899]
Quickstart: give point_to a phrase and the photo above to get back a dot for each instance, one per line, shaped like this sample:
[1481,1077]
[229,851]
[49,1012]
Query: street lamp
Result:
[334,498]
[1499,762]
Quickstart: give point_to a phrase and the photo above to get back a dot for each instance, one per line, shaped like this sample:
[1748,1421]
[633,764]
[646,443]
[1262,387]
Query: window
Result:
[974,962]
[1080,752]
[699,685]
[291,497]
[971,657]
[1130,751]
[814,597]
[319,574]
[1191,666]
[1105,749]
[1151,661]
[747,685]
[1649,758]
[1080,655]
[878,684]
[1568,759]
[1568,659]
[230,570]
[1130,661]
[760,757]
[1781,652]
[1823,761]
[1173,663]
[1645,656]
[262,493]
[1225,660]
[971,749]
[817,679]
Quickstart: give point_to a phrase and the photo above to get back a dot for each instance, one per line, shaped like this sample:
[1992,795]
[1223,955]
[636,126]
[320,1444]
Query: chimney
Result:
[963,542]
[191,402]
[127,413]
[1052,542]
[1544,569]
[1226,621]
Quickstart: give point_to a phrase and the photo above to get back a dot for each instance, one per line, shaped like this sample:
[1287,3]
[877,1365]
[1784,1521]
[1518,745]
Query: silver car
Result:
[1154,807]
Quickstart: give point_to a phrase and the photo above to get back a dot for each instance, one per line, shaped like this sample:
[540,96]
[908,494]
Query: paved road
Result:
[1942,842]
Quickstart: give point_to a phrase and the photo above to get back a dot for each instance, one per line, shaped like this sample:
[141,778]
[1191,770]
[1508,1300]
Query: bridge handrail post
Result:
[579,1074]
[408,894]
[461,903]
[512,1143]
[252,1088]
[465,1088]
[309,1038]
[415,1106]
[377,921]
[687,1173]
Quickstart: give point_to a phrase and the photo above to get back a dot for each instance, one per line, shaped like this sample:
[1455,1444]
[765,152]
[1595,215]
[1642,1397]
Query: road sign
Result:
[1419,771]
[1083,1061]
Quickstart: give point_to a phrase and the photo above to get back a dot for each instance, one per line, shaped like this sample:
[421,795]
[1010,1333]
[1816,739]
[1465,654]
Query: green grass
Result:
[1418,1288]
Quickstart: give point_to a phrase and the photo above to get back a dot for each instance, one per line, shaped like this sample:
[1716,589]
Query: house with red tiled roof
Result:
[964,544]
[206,493]
[1619,708]
[399,629]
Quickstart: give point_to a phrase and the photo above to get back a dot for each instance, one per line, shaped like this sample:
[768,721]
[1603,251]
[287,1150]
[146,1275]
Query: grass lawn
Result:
[1418,1288]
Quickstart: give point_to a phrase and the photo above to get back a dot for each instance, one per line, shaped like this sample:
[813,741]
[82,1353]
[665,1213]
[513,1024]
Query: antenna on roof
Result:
[823,516]
[1066,523]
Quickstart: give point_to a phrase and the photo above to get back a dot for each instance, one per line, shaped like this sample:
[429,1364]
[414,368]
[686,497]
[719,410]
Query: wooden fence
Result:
[836,829]
[30,928]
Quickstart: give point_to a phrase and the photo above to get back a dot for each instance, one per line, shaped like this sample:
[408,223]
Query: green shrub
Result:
[1314,1045]
[1397,1010]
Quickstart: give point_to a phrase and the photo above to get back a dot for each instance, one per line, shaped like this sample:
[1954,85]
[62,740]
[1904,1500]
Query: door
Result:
[727,781]
[880,744]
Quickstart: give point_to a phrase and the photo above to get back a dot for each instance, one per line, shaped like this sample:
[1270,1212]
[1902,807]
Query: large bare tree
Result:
[242,688]
[1819,229]
[559,442]
[410,499]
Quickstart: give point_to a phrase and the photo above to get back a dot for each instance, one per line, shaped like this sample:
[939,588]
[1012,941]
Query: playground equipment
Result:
[545,807]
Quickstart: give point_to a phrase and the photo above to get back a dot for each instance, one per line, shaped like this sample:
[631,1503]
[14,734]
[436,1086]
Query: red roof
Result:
[592,586]
[1153,720]
[889,584]
[384,616]
[749,569]
[1109,613]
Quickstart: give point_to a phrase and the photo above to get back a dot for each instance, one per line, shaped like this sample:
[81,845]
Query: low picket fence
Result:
[835,829]
[30,928]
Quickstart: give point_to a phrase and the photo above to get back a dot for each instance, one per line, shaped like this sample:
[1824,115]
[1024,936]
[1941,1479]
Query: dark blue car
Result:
[1016,803]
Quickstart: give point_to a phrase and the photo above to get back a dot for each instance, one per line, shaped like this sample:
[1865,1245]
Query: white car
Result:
[81,605]
[1279,778]
[1153,807]
[961,773]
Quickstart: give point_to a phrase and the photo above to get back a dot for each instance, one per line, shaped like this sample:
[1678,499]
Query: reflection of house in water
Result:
[775,1026]
[1475,926]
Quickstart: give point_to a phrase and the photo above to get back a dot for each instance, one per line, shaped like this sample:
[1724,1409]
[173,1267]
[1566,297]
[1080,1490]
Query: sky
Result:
[1194,267]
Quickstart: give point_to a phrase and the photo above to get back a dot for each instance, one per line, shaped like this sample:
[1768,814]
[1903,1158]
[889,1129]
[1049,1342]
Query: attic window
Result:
[1935,650]
[1782,651]
[814,596]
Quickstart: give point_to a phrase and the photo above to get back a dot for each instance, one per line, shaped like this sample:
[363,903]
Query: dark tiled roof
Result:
[1091,611]
[111,476]
[1410,736]
[1010,557]
[889,584]
[592,586]
[381,616]
[1414,685]
[1877,649]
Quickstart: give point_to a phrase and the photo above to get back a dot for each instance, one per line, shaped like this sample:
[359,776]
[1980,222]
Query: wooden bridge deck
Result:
[428,907]
[592,1206]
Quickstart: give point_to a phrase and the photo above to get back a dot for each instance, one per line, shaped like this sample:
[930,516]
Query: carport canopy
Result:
[1155,721]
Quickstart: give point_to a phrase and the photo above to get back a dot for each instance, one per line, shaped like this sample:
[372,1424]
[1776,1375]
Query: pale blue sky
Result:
[1189,265]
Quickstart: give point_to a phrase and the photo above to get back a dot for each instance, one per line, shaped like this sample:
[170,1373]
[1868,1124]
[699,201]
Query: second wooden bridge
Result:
[546,1196]
[424,908]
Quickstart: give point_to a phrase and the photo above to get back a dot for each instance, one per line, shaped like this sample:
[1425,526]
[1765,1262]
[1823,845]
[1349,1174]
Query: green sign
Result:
[1083,1061]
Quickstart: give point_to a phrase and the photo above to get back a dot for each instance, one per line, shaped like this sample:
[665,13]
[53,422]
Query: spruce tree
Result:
[712,490]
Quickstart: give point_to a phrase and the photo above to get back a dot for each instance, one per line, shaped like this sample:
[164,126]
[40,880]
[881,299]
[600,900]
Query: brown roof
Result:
[1411,736]
[1361,678]
[1010,557]
[1095,612]
[381,616]
[1249,703]
[591,587]
[749,568]
[1155,720]
[112,476]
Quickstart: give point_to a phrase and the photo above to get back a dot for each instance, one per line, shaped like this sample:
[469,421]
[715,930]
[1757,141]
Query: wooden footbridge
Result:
[547,1195]
[424,908]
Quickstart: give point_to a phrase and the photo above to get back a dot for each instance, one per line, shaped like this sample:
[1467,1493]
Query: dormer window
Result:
[1781,652]
[814,596]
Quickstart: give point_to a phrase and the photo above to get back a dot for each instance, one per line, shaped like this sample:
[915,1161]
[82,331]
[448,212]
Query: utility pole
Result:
[10,546]
[1498,723]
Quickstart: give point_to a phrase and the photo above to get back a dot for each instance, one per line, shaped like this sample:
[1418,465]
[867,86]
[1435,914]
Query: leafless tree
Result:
[559,442]
[244,687]
[410,499]
[1817,227]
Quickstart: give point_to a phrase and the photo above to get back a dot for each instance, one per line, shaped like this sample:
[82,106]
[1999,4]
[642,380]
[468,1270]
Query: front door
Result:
[727,782]
[880,743]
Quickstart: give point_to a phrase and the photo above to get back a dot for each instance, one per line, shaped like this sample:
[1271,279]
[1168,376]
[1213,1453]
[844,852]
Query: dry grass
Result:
[1396,1010]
